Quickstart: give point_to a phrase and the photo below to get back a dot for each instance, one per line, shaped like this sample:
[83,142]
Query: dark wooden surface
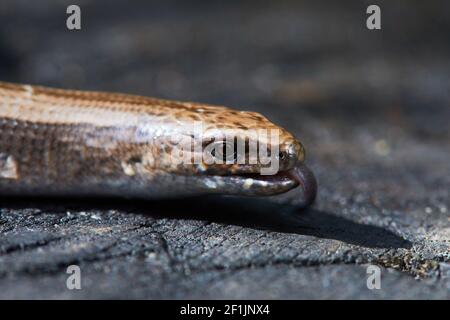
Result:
[372,109]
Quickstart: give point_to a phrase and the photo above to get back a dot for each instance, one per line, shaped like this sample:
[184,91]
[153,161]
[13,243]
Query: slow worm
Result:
[81,143]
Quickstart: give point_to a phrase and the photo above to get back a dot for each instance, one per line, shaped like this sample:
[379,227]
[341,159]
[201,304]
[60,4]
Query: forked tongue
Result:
[307,182]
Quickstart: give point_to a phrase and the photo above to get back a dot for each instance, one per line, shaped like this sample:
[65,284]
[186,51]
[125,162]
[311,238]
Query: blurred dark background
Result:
[372,108]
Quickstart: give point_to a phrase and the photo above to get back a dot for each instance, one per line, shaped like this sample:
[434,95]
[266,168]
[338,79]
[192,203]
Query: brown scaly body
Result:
[66,142]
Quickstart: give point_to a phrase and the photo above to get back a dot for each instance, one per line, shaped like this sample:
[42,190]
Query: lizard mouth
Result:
[265,185]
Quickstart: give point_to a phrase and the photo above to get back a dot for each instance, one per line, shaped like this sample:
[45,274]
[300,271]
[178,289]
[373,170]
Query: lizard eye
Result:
[282,155]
